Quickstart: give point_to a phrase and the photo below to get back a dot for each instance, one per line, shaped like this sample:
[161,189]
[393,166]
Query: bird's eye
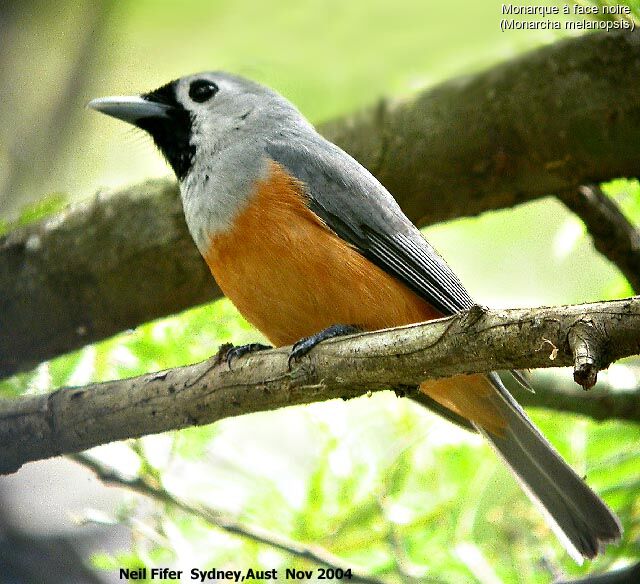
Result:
[202,90]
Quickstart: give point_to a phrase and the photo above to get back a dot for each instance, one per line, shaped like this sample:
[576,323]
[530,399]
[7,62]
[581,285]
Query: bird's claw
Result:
[237,352]
[304,345]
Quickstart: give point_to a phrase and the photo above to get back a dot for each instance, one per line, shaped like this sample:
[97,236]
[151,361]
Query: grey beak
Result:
[129,109]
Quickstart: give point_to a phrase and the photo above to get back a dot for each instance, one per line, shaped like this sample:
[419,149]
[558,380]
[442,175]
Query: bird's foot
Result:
[237,352]
[303,346]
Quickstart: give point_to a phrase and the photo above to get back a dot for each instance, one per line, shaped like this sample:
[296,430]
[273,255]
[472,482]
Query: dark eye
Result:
[202,90]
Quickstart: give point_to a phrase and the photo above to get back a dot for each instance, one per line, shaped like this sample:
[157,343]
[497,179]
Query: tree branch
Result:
[223,521]
[94,270]
[503,136]
[73,419]
[601,403]
[487,141]
[613,234]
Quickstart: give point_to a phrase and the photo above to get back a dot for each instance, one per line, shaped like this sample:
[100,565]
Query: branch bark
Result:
[487,141]
[99,268]
[613,234]
[73,419]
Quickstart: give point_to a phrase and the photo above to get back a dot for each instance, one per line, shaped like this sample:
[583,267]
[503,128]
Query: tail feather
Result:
[580,519]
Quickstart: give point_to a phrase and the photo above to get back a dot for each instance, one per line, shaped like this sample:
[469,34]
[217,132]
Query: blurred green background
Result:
[379,482]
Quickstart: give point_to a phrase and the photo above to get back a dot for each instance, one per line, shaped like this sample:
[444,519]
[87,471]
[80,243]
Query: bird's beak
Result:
[130,109]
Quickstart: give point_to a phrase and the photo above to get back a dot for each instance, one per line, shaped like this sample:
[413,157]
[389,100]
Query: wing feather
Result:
[362,212]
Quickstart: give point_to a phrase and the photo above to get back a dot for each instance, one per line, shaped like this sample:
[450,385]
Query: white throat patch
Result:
[217,188]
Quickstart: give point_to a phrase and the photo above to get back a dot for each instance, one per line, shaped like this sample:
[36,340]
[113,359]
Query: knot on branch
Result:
[471,317]
[587,347]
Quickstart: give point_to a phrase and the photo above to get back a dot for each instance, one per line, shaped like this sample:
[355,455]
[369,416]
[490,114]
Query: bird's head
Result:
[199,115]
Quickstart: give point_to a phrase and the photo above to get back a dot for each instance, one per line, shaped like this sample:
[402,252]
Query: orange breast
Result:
[291,276]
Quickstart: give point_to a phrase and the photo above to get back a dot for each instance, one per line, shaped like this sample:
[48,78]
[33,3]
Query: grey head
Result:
[200,115]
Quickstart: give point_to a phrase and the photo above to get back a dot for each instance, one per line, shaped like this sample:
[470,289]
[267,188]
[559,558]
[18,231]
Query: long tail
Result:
[580,519]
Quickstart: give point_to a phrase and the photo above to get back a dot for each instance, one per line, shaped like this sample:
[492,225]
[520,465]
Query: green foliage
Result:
[45,207]
[390,488]
[626,193]
[16,385]
[122,561]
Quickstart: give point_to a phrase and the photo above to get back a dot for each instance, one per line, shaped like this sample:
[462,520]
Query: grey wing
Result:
[361,211]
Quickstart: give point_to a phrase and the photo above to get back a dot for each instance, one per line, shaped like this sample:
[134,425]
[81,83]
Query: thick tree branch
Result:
[73,419]
[146,487]
[97,269]
[543,123]
[484,142]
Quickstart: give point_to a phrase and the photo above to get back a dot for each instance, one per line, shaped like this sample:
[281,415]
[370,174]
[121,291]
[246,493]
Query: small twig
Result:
[223,521]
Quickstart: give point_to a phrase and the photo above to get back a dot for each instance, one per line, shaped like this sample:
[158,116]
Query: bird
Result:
[309,245]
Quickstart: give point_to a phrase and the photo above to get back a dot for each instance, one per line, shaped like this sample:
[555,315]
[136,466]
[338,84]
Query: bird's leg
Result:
[237,352]
[304,345]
